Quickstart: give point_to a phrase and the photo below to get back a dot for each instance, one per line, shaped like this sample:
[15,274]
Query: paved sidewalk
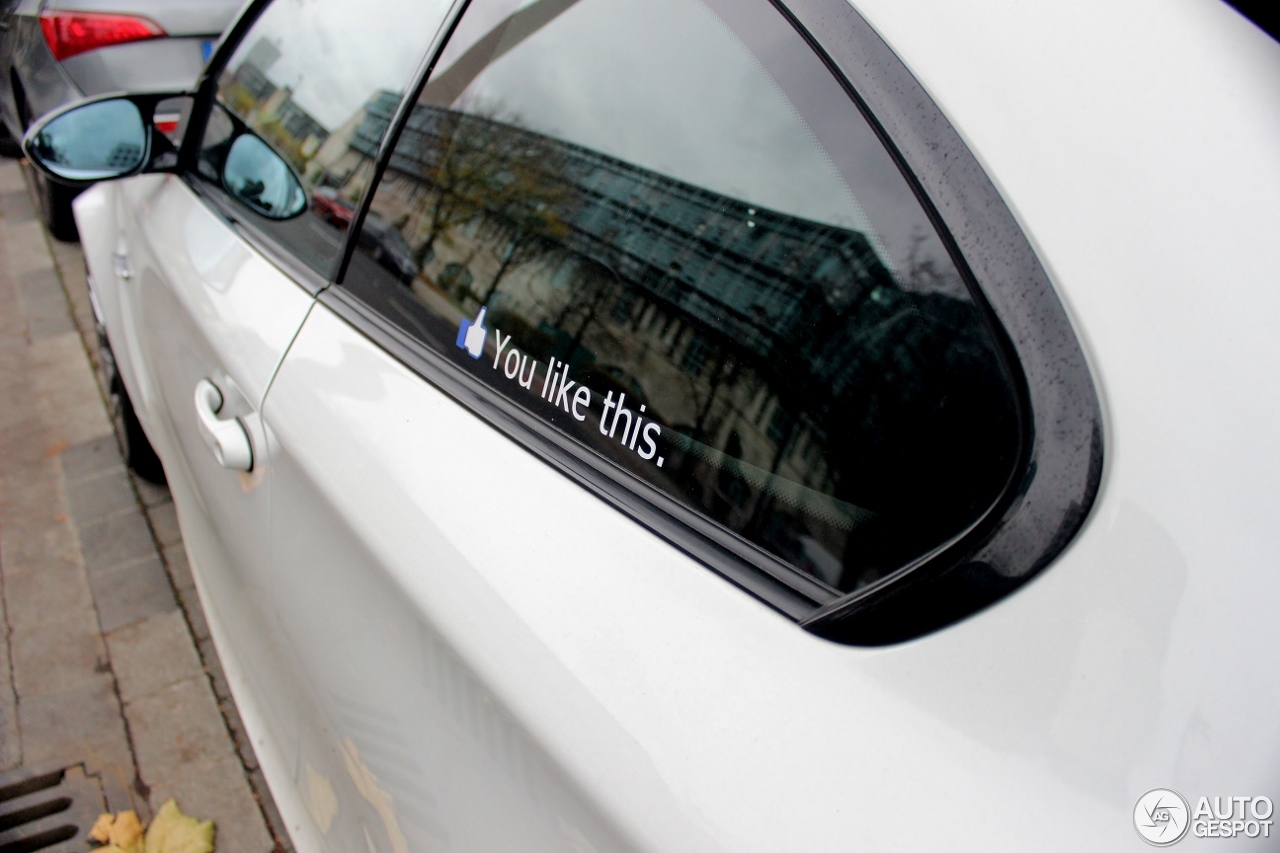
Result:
[105,658]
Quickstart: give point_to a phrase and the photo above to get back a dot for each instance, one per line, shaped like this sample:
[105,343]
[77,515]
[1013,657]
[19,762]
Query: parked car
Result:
[333,208]
[946,519]
[55,52]
[386,246]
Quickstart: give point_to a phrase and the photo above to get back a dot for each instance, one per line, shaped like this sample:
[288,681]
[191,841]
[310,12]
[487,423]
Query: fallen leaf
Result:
[101,831]
[121,834]
[174,832]
[126,832]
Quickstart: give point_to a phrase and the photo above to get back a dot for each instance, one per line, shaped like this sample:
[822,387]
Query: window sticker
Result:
[562,391]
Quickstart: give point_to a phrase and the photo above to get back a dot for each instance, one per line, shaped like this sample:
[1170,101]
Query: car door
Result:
[208,319]
[215,269]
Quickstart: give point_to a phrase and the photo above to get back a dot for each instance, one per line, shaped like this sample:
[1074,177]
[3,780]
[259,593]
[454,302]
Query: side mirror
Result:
[91,142]
[100,139]
[259,177]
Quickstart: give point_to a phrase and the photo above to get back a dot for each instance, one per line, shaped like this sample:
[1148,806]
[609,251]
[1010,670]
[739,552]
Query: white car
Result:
[721,425]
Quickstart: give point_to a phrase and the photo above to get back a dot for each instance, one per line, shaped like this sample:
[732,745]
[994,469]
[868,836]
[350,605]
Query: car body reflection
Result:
[332,207]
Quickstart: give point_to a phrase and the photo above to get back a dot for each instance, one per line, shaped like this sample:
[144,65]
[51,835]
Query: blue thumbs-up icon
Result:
[471,334]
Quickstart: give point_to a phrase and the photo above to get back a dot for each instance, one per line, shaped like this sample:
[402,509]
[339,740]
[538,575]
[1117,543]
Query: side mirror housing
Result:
[103,138]
[118,136]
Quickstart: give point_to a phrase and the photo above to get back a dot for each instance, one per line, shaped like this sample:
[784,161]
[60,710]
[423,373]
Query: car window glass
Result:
[317,81]
[666,229]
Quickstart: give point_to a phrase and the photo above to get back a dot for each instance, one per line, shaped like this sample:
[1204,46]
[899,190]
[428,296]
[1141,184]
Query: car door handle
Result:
[226,438]
[123,269]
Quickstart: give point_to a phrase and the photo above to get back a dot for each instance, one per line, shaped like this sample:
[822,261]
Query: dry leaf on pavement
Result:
[101,831]
[170,832]
[122,832]
[174,832]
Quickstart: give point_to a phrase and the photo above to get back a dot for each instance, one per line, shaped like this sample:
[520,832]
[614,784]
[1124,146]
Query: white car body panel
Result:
[99,208]
[1148,179]
[676,704]
[198,303]
[475,652]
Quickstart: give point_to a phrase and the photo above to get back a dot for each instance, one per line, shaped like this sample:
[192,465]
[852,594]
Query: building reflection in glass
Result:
[840,417]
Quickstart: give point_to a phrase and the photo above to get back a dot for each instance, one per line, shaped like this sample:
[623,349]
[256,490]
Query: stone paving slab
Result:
[150,494]
[28,250]
[68,395]
[132,592]
[46,307]
[177,728]
[58,687]
[97,496]
[57,586]
[175,558]
[153,654]
[60,653]
[10,740]
[164,524]
[104,653]
[216,790]
[78,724]
[116,540]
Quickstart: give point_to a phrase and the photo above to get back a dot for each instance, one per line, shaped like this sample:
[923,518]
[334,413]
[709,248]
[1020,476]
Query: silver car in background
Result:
[54,52]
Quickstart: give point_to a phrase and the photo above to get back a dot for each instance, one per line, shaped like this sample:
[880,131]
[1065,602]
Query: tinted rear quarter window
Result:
[667,230]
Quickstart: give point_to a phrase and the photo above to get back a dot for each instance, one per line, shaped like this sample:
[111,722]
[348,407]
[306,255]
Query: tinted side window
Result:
[317,81]
[666,229]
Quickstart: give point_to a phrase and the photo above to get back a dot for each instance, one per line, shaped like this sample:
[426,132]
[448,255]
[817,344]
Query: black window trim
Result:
[1053,486]
[1056,485]
[237,216]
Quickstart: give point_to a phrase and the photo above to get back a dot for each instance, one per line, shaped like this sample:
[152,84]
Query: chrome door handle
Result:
[123,268]
[226,438]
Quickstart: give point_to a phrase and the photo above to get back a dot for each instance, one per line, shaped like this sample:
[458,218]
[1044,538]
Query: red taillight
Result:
[166,123]
[69,33]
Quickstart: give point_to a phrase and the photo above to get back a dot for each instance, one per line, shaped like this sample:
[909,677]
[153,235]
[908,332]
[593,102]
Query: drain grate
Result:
[50,812]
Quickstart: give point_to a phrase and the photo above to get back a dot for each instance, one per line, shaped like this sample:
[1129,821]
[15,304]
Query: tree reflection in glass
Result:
[841,411]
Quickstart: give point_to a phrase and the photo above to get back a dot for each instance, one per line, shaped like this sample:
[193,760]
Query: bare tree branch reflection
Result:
[839,415]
